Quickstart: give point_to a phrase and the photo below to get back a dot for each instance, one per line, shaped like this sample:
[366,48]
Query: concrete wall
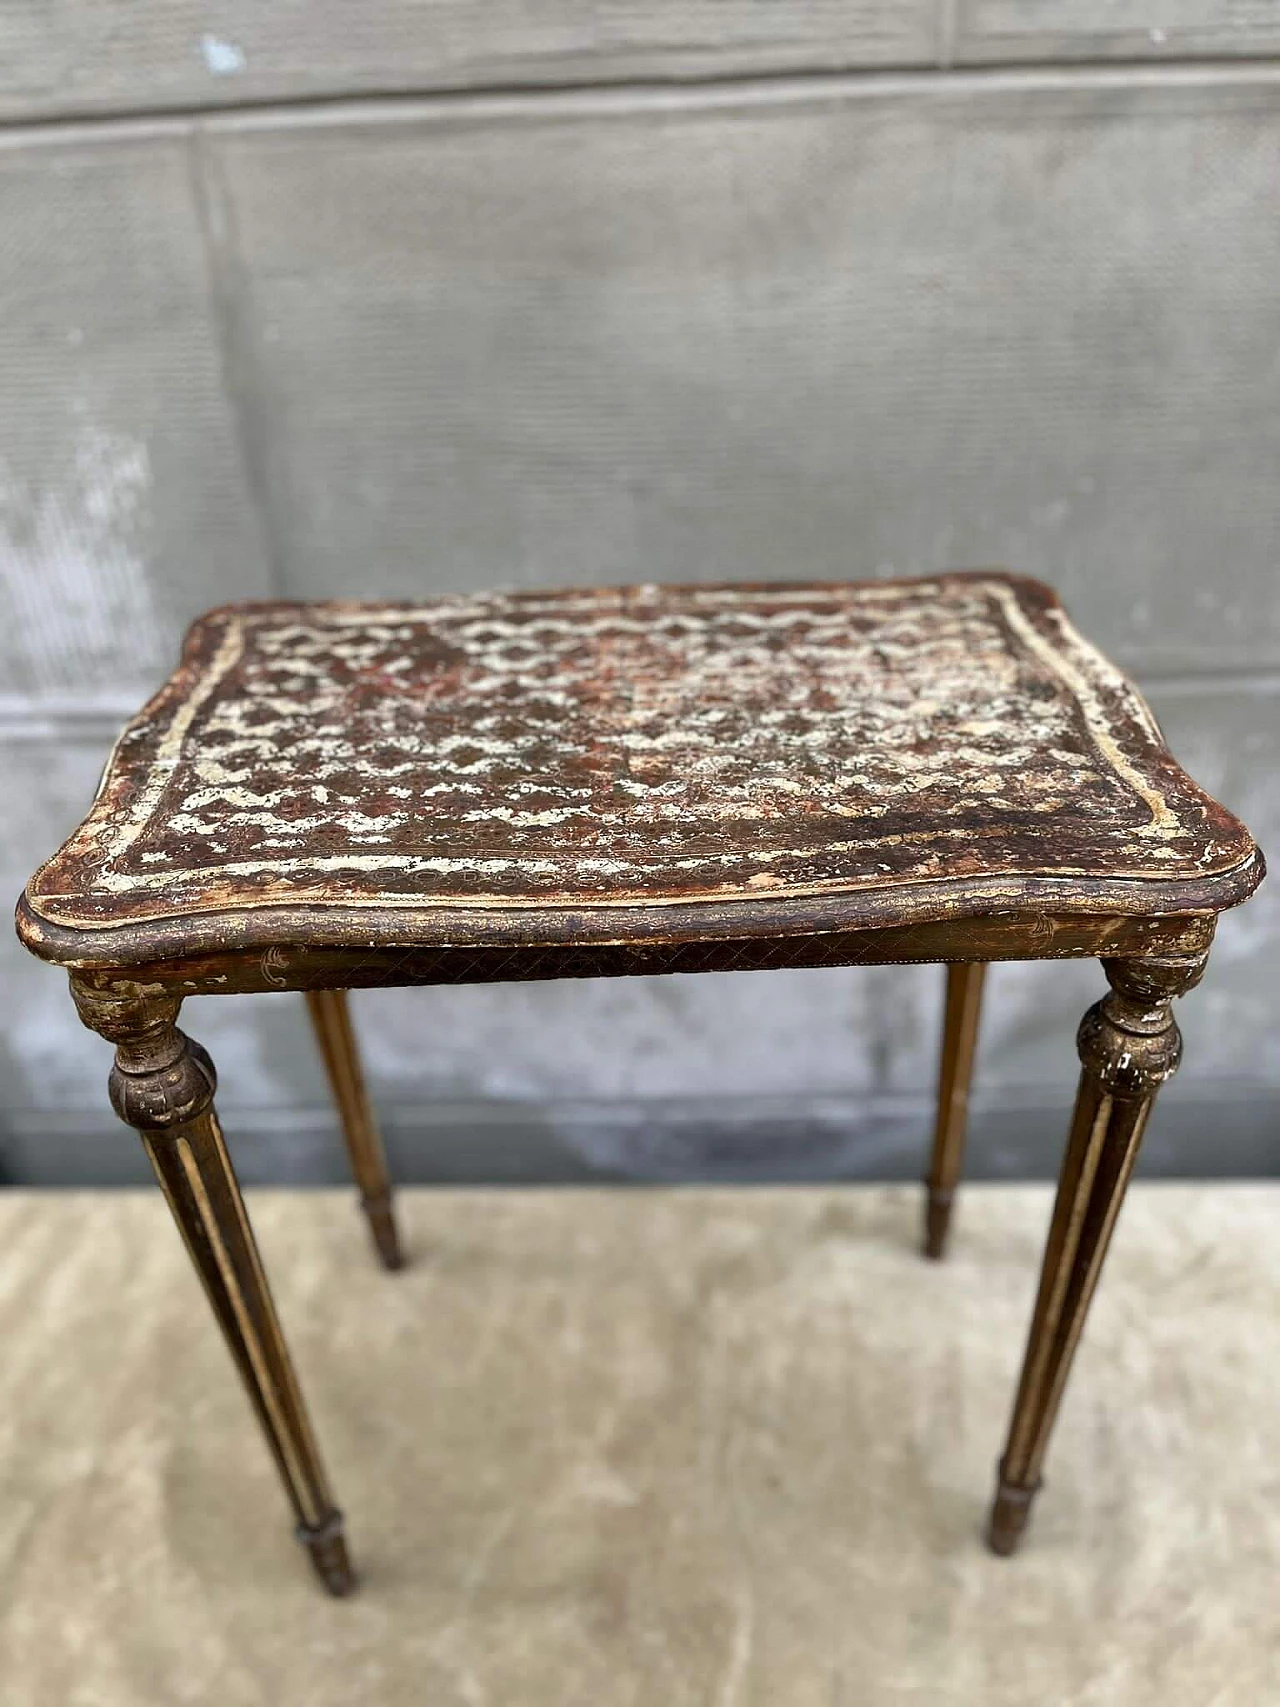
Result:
[414,296]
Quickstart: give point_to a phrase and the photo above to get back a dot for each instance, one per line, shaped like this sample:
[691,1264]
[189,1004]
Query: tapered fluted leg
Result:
[332,1021]
[162,1084]
[1129,1045]
[959,1044]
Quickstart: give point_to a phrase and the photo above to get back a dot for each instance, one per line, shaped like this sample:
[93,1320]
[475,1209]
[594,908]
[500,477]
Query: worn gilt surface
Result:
[633,746]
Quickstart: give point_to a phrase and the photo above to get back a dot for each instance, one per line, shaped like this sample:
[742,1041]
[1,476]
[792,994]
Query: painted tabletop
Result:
[637,746]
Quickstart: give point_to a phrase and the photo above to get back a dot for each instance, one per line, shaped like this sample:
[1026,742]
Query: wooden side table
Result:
[638,780]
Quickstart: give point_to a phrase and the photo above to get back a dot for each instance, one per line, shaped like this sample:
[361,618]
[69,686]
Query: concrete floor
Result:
[605,1449]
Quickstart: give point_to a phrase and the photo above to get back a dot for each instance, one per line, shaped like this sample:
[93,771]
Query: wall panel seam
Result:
[752,89]
[225,279]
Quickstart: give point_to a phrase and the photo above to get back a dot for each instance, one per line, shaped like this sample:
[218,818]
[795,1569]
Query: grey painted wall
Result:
[894,287]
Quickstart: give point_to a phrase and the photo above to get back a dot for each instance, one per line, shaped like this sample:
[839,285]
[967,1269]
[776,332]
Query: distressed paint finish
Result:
[641,746]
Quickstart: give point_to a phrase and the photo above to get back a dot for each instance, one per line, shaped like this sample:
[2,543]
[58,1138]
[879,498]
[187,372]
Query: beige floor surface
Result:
[608,1449]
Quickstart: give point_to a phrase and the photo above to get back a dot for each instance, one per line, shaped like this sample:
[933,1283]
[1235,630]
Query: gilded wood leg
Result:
[332,1021]
[162,1084]
[1129,1045]
[959,1044]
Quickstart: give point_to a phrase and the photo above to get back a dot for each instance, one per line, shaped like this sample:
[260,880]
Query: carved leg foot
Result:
[959,1044]
[162,1084]
[328,1549]
[332,1021]
[1129,1045]
[382,1229]
[1009,1513]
